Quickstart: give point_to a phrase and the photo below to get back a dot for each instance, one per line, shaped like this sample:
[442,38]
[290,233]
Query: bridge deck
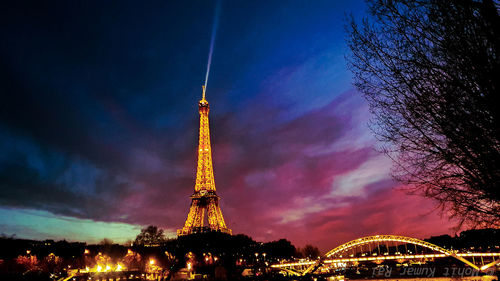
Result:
[388,257]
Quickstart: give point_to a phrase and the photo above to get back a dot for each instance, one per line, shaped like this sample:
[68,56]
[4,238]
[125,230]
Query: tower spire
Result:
[203,87]
[204,199]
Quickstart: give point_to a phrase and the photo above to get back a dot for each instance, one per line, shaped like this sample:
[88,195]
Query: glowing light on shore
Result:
[105,268]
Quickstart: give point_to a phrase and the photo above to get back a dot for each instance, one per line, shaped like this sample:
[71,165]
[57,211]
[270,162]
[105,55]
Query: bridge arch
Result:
[386,238]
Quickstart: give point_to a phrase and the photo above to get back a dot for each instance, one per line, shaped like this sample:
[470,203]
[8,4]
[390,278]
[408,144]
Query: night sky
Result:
[99,123]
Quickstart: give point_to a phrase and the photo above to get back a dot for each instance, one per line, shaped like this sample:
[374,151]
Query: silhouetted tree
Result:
[149,236]
[106,241]
[430,71]
[279,249]
[309,251]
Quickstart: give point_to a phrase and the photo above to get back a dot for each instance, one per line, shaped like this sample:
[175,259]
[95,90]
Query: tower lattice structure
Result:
[204,200]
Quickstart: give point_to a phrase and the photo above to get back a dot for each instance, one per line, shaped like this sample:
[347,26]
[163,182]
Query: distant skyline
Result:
[99,123]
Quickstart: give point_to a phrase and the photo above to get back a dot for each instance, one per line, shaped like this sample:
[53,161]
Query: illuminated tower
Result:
[204,200]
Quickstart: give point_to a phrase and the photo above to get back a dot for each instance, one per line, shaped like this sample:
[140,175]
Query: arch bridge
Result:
[382,248]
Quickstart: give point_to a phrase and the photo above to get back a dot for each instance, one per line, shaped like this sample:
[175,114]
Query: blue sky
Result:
[98,122]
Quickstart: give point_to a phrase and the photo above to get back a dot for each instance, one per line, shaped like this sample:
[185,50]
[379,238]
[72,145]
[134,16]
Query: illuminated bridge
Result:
[382,248]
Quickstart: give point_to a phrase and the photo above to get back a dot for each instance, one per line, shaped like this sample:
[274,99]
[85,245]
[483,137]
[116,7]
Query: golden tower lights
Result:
[204,199]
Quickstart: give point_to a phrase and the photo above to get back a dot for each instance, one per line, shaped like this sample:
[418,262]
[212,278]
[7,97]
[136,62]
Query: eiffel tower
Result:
[204,199]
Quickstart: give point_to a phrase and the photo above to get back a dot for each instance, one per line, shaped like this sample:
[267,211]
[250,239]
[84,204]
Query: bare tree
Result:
[106,241]
[430,71]
[150,236]
[309,251]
